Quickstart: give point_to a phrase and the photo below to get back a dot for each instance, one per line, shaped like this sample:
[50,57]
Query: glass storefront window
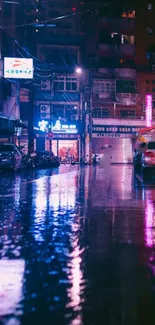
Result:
[68,150]
[53,146]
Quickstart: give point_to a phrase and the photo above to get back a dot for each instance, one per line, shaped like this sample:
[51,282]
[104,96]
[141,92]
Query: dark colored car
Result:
[10,157]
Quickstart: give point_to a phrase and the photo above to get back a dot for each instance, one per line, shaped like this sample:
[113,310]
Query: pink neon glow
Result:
[148,110]
[149,220]
[149,223]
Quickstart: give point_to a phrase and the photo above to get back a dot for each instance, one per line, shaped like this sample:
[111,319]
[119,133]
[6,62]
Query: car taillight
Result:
[149,154]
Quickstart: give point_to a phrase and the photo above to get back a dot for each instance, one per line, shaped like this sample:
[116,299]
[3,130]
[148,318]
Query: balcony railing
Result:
[114,49]
[119,23]
[112,116]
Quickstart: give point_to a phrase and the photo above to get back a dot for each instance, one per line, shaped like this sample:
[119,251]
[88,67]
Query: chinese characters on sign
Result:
[116,129]
[58,128]
[64,128]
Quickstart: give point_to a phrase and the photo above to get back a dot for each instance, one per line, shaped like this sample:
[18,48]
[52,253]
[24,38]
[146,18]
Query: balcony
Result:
[120,50]
[57,96]
[119,24]
[115,121]
[104,97]
[125,73]
[118,73]
[126,50]
[127,99]
[107,49]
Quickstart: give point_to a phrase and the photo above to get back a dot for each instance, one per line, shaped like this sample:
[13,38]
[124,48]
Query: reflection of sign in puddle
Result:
[11,282]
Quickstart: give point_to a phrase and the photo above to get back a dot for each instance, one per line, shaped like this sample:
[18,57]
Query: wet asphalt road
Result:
[77,248]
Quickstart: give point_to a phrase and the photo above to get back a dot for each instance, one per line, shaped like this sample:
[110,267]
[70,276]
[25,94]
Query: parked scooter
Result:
[95,160]
[28,162]
[83,161]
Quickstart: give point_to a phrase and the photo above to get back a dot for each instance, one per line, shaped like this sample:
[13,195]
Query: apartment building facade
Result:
[110,42]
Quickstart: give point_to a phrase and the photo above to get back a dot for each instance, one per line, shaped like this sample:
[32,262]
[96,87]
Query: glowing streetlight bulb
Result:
[78,70]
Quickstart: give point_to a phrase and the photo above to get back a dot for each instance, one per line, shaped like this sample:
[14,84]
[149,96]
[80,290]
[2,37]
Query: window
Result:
[58,85]
[149,31]
[100,113]
[7,9]
[149,6]
[153,89]
[147,81]
[153,104]
[65,84]
[125,86]
[105,112]
[153,82]
[129,13]
[102,86]
[64,111]
[127,39]
[71,84]
[127,113]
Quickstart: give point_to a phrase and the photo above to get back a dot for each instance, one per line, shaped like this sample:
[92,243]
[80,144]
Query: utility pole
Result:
[51,111]
[90,115]
[1,55]
[88,119]
[31,121]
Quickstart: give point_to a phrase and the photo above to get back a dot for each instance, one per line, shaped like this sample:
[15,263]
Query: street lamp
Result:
[88,114]
[79,70]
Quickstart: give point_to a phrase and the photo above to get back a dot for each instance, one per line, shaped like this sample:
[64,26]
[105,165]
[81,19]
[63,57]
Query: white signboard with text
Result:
[111,135]
[18,68]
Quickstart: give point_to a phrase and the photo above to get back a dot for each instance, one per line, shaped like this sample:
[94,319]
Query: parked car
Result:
[144,157]
[10,157]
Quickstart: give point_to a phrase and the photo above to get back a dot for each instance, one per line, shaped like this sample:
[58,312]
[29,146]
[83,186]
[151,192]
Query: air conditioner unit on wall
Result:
[45,111]
[153,67]
[45,85]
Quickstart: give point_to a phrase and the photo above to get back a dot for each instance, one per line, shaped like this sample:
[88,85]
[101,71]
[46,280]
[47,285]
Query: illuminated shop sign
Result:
[64,128]
[18,68]
[58,127]
[115,129]
[148,110]
[43,125]
[111,135]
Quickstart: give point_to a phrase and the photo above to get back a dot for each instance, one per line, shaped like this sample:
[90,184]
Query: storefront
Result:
[119,138]
[65,147]
[63,141]
[7,127]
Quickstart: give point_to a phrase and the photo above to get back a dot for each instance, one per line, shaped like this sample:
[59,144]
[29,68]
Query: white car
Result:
[10,157]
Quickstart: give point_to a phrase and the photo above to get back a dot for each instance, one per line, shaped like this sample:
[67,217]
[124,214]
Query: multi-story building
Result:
[55,45]
[115,44]
[118,58]
[145,53]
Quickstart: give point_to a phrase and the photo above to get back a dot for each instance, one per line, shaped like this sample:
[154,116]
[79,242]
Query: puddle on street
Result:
[77,248]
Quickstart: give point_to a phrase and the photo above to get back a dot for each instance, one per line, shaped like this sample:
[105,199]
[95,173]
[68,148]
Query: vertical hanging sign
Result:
[148,109]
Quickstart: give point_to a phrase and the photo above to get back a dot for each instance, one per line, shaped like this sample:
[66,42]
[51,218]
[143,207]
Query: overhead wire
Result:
[45,21]
[72,14]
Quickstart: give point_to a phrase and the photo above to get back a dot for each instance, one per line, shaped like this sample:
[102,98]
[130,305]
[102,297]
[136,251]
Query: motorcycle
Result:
[28,162]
